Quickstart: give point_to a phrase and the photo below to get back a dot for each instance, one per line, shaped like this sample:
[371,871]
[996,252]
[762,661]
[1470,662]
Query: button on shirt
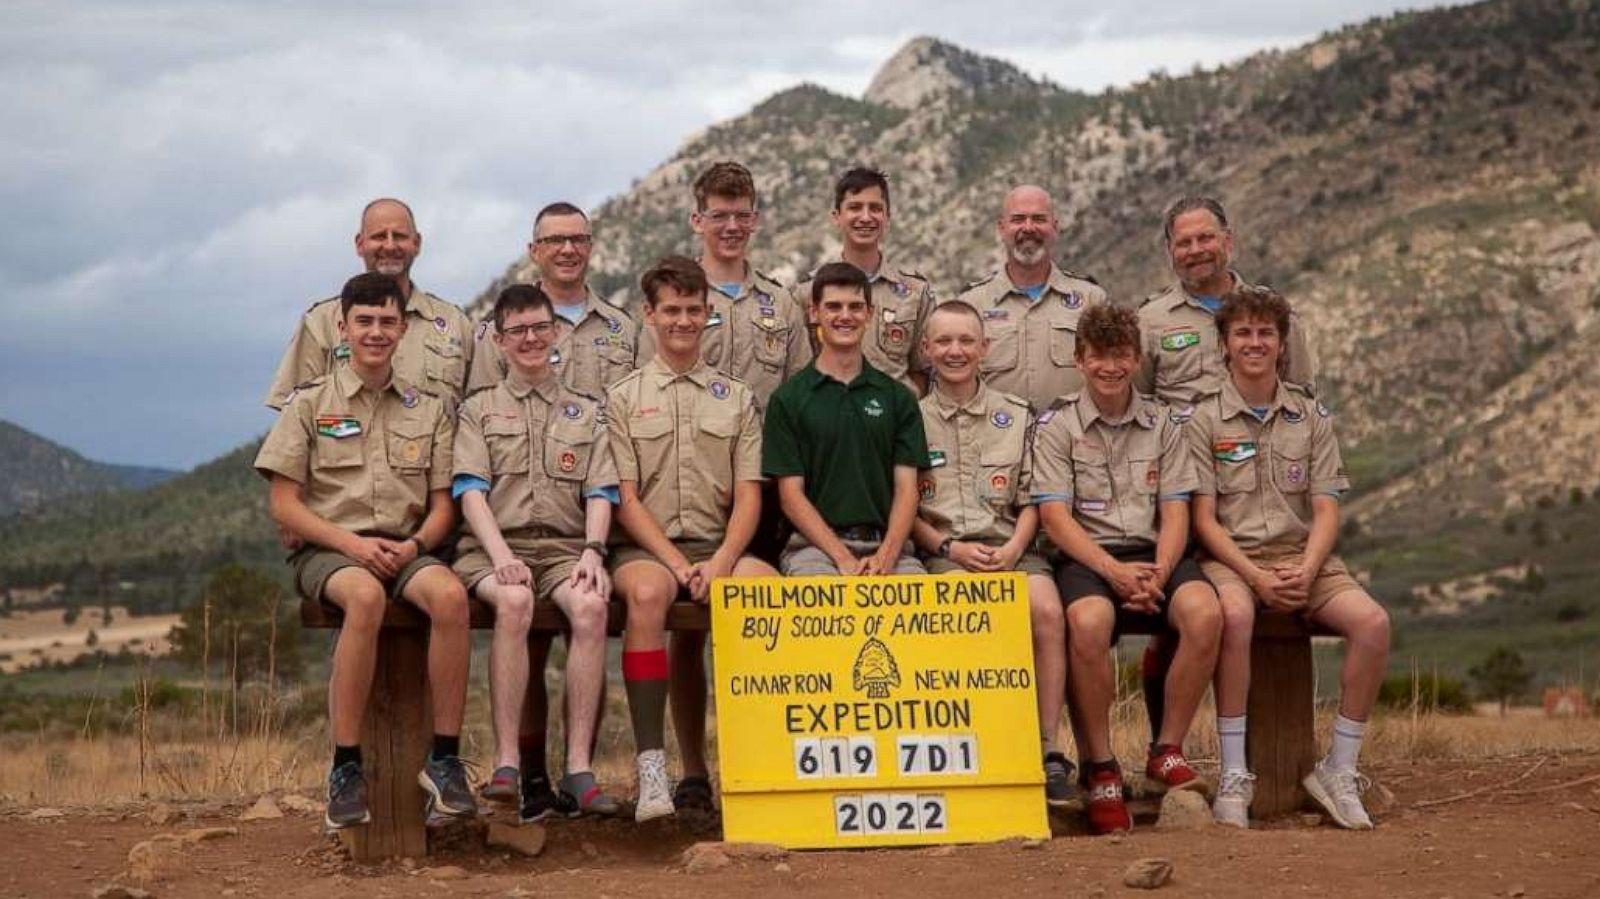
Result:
[759,337]
[589,356]
[368,459]
[1113,472]
[845,440]
[542,448]
[1182,358]
[1264,471]
[433,356]
[686,440]
[1032,341]
[978,464]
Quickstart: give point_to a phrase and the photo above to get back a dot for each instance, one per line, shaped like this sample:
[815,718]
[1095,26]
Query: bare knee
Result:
[587,616]
[448,606]
[1372,629]
[1089,624]
[1238,621]
[513,613]
[364,605]
[1049,622]
[1199,616]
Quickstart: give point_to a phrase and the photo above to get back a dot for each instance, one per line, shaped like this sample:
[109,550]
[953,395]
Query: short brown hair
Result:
[958,307]
[520,298]
[1246,303]
[724,179]
[840,274]
[677,272]
[1107,327]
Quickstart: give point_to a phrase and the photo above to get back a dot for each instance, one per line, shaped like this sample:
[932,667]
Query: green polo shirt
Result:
[845,440]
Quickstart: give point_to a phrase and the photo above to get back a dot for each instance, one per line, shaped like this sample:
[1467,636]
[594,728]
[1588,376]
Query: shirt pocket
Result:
[1237,475]
[1180,356]
[997,477]
[445,363]
[895,324]
[508,445]
[1291,462]
[772,341]
[1091,474]
[1144,474]
[338,452]
[410,447]
[714,455]
[1063,345]
[567,452]
[1003,345]
[650,438]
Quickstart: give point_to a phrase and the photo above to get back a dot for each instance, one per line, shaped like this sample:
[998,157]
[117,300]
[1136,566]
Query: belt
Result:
[861,533]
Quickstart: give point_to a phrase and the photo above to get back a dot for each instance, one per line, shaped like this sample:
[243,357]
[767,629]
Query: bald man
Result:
[1030,307]
[435,354]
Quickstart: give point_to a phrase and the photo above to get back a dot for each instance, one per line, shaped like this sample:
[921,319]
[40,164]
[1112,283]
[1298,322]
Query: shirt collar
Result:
[661,375]
[1140,411]
[1194,301]
[948,407]
[521,388]
[1233,404]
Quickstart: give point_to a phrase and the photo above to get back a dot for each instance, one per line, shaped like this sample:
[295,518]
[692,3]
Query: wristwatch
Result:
[422,549]
[600,549]
[944,547]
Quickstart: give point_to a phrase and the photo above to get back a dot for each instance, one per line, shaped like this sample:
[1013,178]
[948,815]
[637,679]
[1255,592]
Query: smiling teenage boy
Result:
[359,465]
[688,449]
[844,442]
[974,514]
[1112,478]
[1267,518]
[534,474]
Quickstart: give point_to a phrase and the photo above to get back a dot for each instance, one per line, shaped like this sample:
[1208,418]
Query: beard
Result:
[1029,252]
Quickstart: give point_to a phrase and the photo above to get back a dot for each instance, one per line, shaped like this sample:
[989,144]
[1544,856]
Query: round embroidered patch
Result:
[409,398]
[1073,299]
[998,482]
[1296,473]
[719,389]
[1002,419]
[571,411]
[569,460]
[925,488]
[440,325]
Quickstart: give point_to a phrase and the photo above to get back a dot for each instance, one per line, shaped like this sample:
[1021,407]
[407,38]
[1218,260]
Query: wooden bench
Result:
[398,726]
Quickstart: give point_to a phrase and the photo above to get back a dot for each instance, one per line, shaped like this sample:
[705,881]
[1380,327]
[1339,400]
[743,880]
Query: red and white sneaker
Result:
[1108,813]
[1168,767]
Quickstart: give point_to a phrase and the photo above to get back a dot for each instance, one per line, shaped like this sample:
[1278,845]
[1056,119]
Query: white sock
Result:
[1346,746]
[1230,733]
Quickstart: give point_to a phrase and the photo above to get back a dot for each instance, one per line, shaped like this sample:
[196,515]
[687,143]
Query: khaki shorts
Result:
[551,559]
[1331,581]
[1029,563]
[801,559]
[313,565]
[696,551]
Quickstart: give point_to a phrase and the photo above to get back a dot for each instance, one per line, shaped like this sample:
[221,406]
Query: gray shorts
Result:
[313,565]
[801,559]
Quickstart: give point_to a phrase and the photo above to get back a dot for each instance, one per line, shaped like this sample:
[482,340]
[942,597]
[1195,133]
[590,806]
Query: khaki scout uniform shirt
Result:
[979,470]
[1115,473]
[1031,343]
[589,356]
[1264,473]
[686,440]
[761,337]
[901,301]
[1182,358]
[367,459]
[541,447]
[433,356]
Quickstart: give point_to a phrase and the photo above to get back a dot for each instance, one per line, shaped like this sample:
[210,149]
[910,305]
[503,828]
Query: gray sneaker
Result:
[1234,795]
[347,797]
[1340,793]
[448,791]
[1060,782]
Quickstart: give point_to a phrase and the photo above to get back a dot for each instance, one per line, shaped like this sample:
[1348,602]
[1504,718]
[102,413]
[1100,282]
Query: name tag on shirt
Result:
[1233,450]
[337,427]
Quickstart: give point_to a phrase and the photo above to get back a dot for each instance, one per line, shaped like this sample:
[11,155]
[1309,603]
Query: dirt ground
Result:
[1531,827]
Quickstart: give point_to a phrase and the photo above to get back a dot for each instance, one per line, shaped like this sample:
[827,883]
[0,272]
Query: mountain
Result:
[35,471]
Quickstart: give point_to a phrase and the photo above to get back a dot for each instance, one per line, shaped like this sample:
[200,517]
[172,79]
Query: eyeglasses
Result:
[720,217]
[538,329]
[555,241]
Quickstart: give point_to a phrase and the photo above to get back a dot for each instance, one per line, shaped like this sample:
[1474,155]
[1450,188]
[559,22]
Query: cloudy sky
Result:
[183,177]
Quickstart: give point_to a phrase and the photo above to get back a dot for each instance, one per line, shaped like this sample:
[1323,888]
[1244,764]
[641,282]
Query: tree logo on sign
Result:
[875,670]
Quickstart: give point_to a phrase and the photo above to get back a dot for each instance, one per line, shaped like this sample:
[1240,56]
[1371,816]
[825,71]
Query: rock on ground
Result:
[703,857]
[525,840]
[118,891]
[155,859]
[296,803]
[1184,810]
[1148,874]
[264,809]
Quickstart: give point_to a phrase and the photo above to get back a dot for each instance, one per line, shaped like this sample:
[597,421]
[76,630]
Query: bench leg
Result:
[394,743]
[1282,740]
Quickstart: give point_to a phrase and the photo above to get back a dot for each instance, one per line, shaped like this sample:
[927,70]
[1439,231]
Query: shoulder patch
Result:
[1181,416]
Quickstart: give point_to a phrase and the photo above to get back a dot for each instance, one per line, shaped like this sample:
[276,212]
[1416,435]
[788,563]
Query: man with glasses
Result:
[436,350]
[536,481]
[596,341]
[594,346]
[1030,307]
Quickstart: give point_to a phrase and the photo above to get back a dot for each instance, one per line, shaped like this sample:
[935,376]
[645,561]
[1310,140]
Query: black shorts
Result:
[1076,580]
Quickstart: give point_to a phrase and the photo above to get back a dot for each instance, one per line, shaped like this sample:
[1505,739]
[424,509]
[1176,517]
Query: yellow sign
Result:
[877,711]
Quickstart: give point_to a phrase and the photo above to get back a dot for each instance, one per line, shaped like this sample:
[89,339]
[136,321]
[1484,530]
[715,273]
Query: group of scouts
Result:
[1170,463]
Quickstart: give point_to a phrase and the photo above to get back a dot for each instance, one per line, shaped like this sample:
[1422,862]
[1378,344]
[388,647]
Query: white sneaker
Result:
[655,792]
[1340,793]
[1232,806]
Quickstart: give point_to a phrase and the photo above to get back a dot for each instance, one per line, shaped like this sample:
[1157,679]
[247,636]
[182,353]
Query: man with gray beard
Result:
[1030,307]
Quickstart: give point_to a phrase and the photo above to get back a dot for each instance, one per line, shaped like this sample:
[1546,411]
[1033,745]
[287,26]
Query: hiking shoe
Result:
[655,793]
[1060,787]
[581,795]
[505,785]
[539,801]
[1234,794]
[1168,767]
[1340,793]
[1108,813]
[347,797]
[694,794]
[445,780]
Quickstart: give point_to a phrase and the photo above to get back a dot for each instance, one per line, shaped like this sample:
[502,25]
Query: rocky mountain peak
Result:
[927,68]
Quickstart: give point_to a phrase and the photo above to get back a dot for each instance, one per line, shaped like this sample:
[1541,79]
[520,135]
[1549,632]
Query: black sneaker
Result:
[539,801]
[1060,787]
[449,793]
[694,794]
[347,797]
